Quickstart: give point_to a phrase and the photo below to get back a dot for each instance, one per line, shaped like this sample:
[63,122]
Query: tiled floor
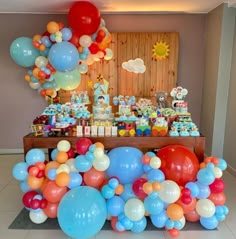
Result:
[10,205]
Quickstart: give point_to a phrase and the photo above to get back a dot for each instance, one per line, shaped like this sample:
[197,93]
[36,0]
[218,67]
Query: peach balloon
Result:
[174,212]
[61,157]
[62,179]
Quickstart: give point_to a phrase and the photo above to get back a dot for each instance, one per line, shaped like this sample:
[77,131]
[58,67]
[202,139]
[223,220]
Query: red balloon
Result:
[217,198]
[93,48]
[70,153]
[138,187]
[84,18]
[217,186]
[192,216]
[179,164]
[82,145]
[28,197]
[75,39]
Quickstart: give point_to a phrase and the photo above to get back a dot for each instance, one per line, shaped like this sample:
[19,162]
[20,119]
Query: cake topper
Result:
[101,87]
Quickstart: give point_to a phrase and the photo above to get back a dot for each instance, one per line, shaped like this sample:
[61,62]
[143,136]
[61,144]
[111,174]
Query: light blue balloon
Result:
[155,175]
[82,212]
[193,188]
[54,153]
[35,155]
[205,176]
[82,164]
[20,172]
[125,222]
[52,173]
[115,206]
[140,225]
[128,192]
[107,191]
[159,220]
[66,34]
[153,206]
[222,164]
[23,52]
[209,222]
[125,164]
[63,56]
[24,186]
[75,180]
[204,190]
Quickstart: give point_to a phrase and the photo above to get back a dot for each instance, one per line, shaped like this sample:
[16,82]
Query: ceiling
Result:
[114,6]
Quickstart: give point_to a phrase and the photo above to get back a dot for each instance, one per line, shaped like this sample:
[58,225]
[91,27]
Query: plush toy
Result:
[161,100]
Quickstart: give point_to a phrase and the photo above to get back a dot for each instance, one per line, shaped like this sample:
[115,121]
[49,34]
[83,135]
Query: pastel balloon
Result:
[38,216]
[23,52]
[85,41]
[169,192]
[134,209]
[205,208]
[20,172]
[101,164]
[63,56]
[63,145]
[35,155]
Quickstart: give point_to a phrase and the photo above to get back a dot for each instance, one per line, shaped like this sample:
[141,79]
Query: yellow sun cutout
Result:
[160,50]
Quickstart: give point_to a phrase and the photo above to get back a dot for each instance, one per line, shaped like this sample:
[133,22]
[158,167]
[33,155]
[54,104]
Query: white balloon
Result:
[85,41]
[37,216]
[205,207]
[34,85]
[63,168]
[217,172]
[134,209]
[41,61]
[155,162]
[98,153]
[71,164]
[63,145]
[169,192]
[101,164]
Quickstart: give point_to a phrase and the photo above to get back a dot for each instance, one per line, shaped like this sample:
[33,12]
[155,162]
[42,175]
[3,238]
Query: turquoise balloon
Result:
[23,52]
[82,212]
[35,155]
[69,80]
[63,56]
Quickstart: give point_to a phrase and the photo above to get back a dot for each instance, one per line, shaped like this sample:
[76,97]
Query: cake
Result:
[102,109]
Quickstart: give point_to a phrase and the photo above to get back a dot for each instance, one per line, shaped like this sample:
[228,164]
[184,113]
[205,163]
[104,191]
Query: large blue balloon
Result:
[63,56]
[126,164]
[20,172]
[23,52]
[35,155]
[82,212]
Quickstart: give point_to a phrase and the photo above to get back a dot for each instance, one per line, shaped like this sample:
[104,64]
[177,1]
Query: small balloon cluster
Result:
[124,186]
[59,56]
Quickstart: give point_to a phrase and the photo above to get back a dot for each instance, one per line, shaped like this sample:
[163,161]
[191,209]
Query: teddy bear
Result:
[161,100]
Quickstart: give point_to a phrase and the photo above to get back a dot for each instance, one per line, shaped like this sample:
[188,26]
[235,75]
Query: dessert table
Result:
[144,143]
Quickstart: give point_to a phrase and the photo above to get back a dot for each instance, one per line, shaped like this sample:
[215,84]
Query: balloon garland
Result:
[124,186]
[59,56]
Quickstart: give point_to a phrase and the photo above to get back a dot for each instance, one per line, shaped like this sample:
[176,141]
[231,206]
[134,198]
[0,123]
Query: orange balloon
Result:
[51,210]
[42,47]
[34,182]
[174,211]
[37,37]
[52,27]
[156,186]
[218,198]
[62,179]
[94,178]
[147,187]
[61,157]
[174,232]
[192,216]
[27,77]
[99,145]
[35,72]
[187,207]
[119,189]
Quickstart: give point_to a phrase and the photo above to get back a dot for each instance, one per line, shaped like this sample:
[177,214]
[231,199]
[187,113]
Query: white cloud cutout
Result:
[135,66]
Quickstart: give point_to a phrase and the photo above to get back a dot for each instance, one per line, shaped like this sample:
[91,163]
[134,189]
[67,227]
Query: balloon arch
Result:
[57,58]
[124,186]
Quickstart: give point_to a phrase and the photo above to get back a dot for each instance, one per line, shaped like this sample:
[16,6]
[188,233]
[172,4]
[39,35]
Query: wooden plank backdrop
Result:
[160,75]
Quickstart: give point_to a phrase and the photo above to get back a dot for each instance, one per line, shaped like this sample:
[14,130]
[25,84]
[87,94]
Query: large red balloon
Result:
[84,18]
[179,164]
[82,145]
